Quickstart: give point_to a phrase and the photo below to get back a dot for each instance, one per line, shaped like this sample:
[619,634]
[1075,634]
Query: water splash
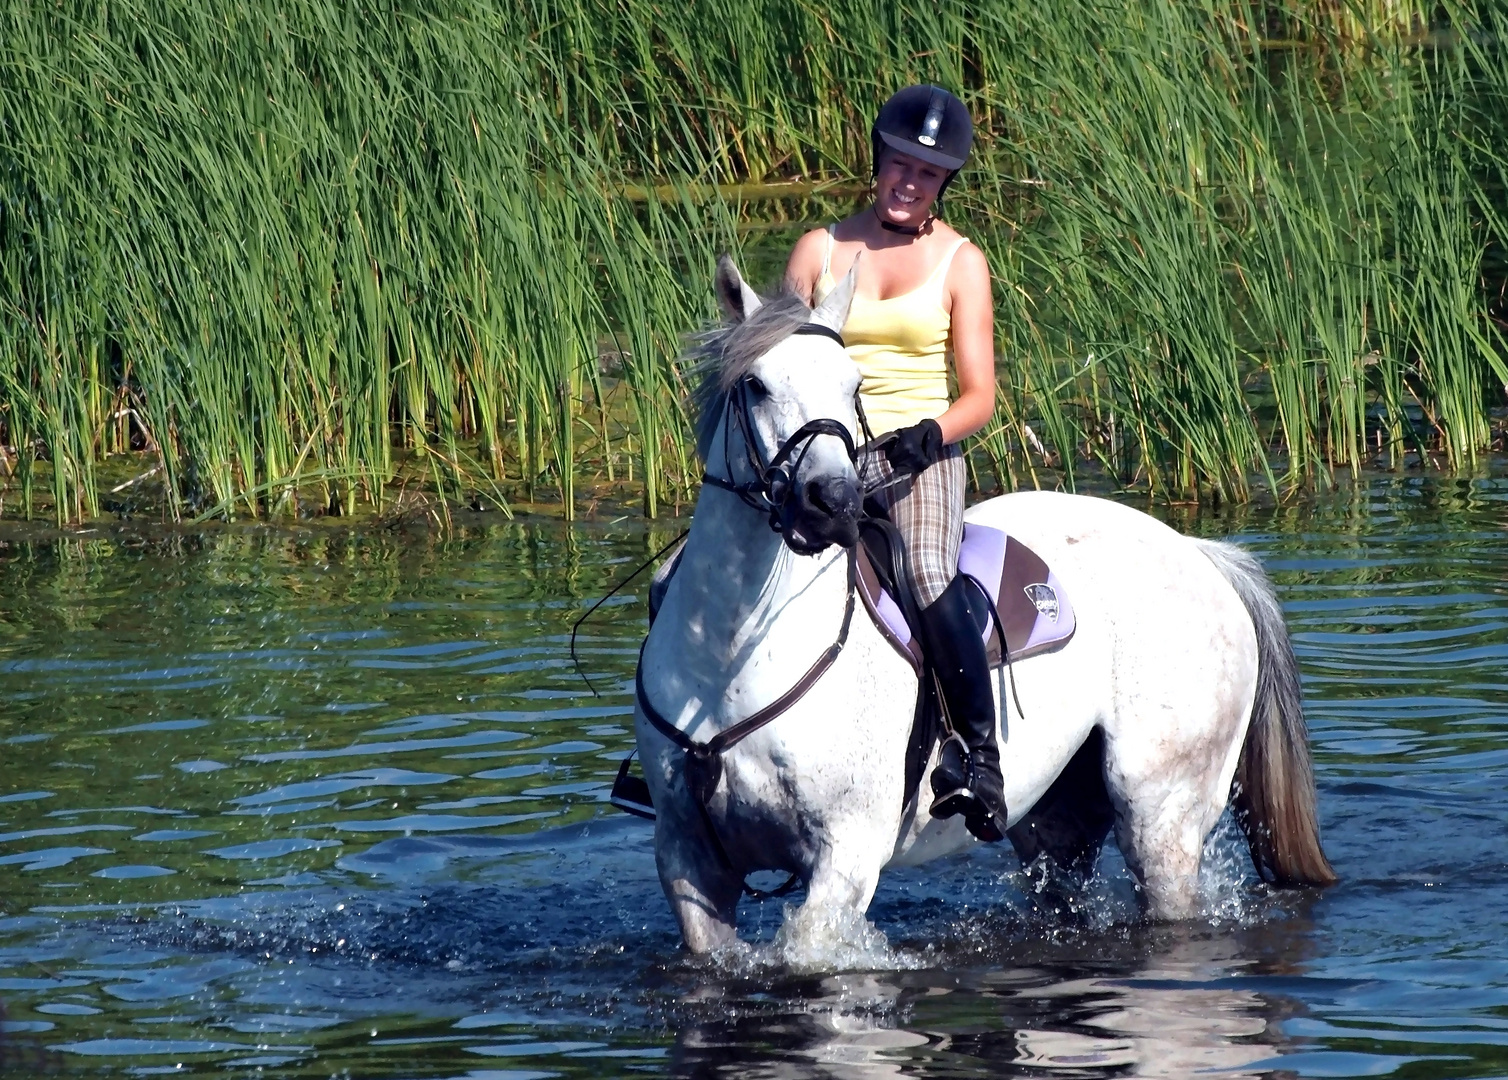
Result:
[814,941]
[1226,880]
[1110,897]
[993,915]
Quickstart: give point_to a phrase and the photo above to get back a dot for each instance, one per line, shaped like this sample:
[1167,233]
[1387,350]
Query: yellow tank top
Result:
[902,345]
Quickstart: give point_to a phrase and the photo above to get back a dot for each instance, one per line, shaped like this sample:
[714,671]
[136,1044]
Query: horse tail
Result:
[1272,792]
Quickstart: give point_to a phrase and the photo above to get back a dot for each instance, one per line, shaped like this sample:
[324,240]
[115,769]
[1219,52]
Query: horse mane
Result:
[722,354]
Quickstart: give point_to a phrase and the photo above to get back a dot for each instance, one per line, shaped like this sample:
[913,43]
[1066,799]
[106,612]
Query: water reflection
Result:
[1190,1006]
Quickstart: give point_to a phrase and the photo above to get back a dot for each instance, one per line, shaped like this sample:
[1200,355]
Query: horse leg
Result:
[1163,852]
[1165,806]
[1185,682]
[1067,826]
[702,889]
[843,879]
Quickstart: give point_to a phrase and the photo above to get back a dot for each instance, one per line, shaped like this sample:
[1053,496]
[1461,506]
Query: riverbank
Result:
[282,245]
[142,518]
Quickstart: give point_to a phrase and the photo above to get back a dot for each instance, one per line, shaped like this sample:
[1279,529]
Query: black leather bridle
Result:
[773,482]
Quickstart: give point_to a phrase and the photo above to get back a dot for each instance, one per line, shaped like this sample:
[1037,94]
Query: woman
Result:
[922,307]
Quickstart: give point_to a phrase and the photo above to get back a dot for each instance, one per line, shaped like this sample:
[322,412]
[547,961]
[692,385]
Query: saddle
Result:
[1035,613]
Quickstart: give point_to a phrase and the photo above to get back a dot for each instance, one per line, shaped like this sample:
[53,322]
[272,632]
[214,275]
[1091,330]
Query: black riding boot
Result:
[965,782]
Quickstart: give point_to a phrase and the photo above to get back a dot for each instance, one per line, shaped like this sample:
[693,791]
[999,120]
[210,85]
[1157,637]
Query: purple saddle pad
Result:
[1034,607]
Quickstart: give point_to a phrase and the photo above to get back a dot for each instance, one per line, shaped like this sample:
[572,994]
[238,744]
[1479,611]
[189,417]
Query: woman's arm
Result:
[973,320]
[805,264]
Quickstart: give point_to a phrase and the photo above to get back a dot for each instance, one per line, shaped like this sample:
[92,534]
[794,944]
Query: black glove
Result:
[915,447]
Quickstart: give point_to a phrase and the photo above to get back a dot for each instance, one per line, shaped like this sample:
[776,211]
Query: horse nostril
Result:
[832,498]
[815,499]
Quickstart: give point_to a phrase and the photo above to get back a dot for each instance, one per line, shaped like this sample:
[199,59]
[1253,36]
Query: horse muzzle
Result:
[819,513]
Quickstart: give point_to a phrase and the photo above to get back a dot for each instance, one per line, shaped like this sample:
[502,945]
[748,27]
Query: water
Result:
[334,804]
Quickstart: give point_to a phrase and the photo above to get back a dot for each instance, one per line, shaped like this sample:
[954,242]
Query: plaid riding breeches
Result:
[927,509]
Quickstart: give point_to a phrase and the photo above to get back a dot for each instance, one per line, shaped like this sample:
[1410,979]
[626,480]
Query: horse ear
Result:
[833,311]
[738,300]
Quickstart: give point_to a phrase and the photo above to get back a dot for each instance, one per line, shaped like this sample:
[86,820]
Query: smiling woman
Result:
[921,312]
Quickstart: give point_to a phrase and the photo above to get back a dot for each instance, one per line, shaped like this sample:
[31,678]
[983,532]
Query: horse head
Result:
[788,424]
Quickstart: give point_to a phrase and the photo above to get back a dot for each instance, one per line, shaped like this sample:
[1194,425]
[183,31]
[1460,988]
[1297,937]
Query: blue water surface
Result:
[320,803]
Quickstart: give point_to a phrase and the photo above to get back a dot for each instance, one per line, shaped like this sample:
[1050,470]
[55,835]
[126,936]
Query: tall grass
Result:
[288,250]
[1227,252]
[271,243]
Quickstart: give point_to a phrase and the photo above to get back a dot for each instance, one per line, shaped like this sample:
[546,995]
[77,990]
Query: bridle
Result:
[773,482]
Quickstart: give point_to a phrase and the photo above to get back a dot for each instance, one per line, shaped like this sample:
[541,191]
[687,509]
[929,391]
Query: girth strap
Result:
[704,761]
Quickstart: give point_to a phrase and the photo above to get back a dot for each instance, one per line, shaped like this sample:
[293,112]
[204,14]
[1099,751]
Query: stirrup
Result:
[630,793]
[953,788]
[982,823]
[950,779]
[959,800]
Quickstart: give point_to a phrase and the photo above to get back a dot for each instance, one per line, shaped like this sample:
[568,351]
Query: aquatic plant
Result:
[284,256]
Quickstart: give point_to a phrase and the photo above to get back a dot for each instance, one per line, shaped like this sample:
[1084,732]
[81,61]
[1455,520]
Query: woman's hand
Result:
[915,447]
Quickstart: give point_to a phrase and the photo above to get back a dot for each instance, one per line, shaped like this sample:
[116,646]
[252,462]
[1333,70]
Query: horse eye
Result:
[758,388]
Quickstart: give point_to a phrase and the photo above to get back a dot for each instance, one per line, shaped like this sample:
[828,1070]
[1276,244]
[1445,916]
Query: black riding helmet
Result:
[928,123]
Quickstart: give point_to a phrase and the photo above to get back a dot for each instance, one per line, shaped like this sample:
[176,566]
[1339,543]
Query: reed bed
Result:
[286,257]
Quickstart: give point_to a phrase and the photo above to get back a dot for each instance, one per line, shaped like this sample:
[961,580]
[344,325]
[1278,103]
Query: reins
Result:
[575,626]
[704,766]
[704,760]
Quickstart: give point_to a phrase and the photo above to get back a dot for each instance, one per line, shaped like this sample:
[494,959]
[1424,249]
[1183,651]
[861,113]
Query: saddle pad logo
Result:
[1044,598]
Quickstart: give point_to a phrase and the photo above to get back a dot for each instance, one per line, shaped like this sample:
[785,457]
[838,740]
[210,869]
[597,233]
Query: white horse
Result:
[1178,692]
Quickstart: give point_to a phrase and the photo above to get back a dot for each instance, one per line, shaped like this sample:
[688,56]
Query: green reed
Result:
[1241,253]
[294,255]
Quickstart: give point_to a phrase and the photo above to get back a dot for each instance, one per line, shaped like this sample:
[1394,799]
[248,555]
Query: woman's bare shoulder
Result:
[970,257]
[805,264]
[970,271]
[814,240]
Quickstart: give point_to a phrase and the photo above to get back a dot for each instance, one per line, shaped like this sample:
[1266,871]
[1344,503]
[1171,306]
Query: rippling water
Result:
[335,805]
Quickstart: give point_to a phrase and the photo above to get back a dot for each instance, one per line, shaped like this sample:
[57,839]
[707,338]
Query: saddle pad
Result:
[1032,602]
